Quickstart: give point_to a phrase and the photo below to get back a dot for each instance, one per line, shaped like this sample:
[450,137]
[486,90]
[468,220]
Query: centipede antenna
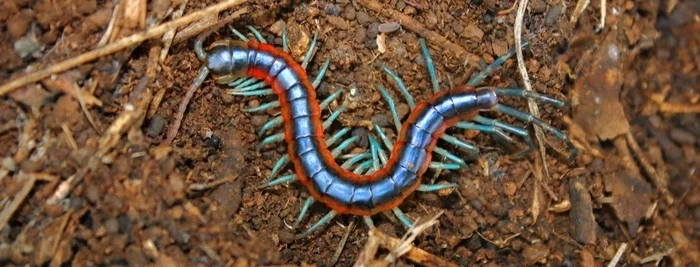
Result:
[321,72]
[446,166]
[326,219]
[450,156]
[459,143]
[476,80]
[271,139]
[278,166]
[374,147]
[435,187]
[239,34]
[368,221]
[283,179]
[409,98]
[304,209]
[333,117]
[244,88]
[529,118]
[285,42]
[257,34]
[266,106]
[274,122]
[402,217]
[431,66]
[484,128]
[310,51]
[199,48]
[345,144]
[519,92]
[251,93]
[339,134]
[350,162]
[392,106]
[382,136]
[363,167]
[326,102]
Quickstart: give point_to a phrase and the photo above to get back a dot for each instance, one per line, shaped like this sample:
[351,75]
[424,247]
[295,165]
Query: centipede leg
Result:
[459,143]
[435,187]
[278,121]
[450,156]
[476,80]
[333,117]
[284,160]
[239,34]
[321,72]
[368,221]
[392,106]
[362,167]
[345,144]
[355,159]
[285,42]
[257,34]
[251,87]
[409,98]
[326,219]
[310,51]
[529,118]
[402,217]
[444,166]
[494,126]
[304,209]
[251,93]
[375,148]
[281,180]
[263,107]
[430,65]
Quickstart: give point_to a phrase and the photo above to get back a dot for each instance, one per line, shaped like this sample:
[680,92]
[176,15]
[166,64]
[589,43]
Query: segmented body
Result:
[316,168]
[387,181]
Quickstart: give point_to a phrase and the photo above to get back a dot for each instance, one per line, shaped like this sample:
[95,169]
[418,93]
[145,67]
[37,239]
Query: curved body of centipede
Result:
[378,183]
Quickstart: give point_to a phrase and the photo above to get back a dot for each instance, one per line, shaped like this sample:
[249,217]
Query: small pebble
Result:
[362,140]
[332,9]
[155,126]
[337,22]
[381,120]
[389,27]
[9,164]
[682,136]
[552,15]
[349,13]
[363,18]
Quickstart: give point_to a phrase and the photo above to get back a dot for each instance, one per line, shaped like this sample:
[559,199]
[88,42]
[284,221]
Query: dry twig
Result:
[7,213]
[532,105]
[336,255]
[116,46]
[618,255]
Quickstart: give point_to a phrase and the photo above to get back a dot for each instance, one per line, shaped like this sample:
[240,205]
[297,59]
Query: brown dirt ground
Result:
[135,202]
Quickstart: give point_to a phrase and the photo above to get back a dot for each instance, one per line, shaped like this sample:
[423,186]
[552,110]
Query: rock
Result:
[581,213]
[337,22]
[472,31]
[362,18]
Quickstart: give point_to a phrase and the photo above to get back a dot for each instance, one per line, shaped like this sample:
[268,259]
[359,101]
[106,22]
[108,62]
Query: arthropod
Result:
[369,182]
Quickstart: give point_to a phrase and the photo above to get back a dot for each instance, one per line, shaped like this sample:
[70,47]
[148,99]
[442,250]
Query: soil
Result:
[85,179]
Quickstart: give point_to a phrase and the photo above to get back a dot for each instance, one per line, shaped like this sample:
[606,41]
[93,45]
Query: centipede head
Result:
[227,60]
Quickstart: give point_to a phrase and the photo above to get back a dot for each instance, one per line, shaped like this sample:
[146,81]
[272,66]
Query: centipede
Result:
[380,179]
